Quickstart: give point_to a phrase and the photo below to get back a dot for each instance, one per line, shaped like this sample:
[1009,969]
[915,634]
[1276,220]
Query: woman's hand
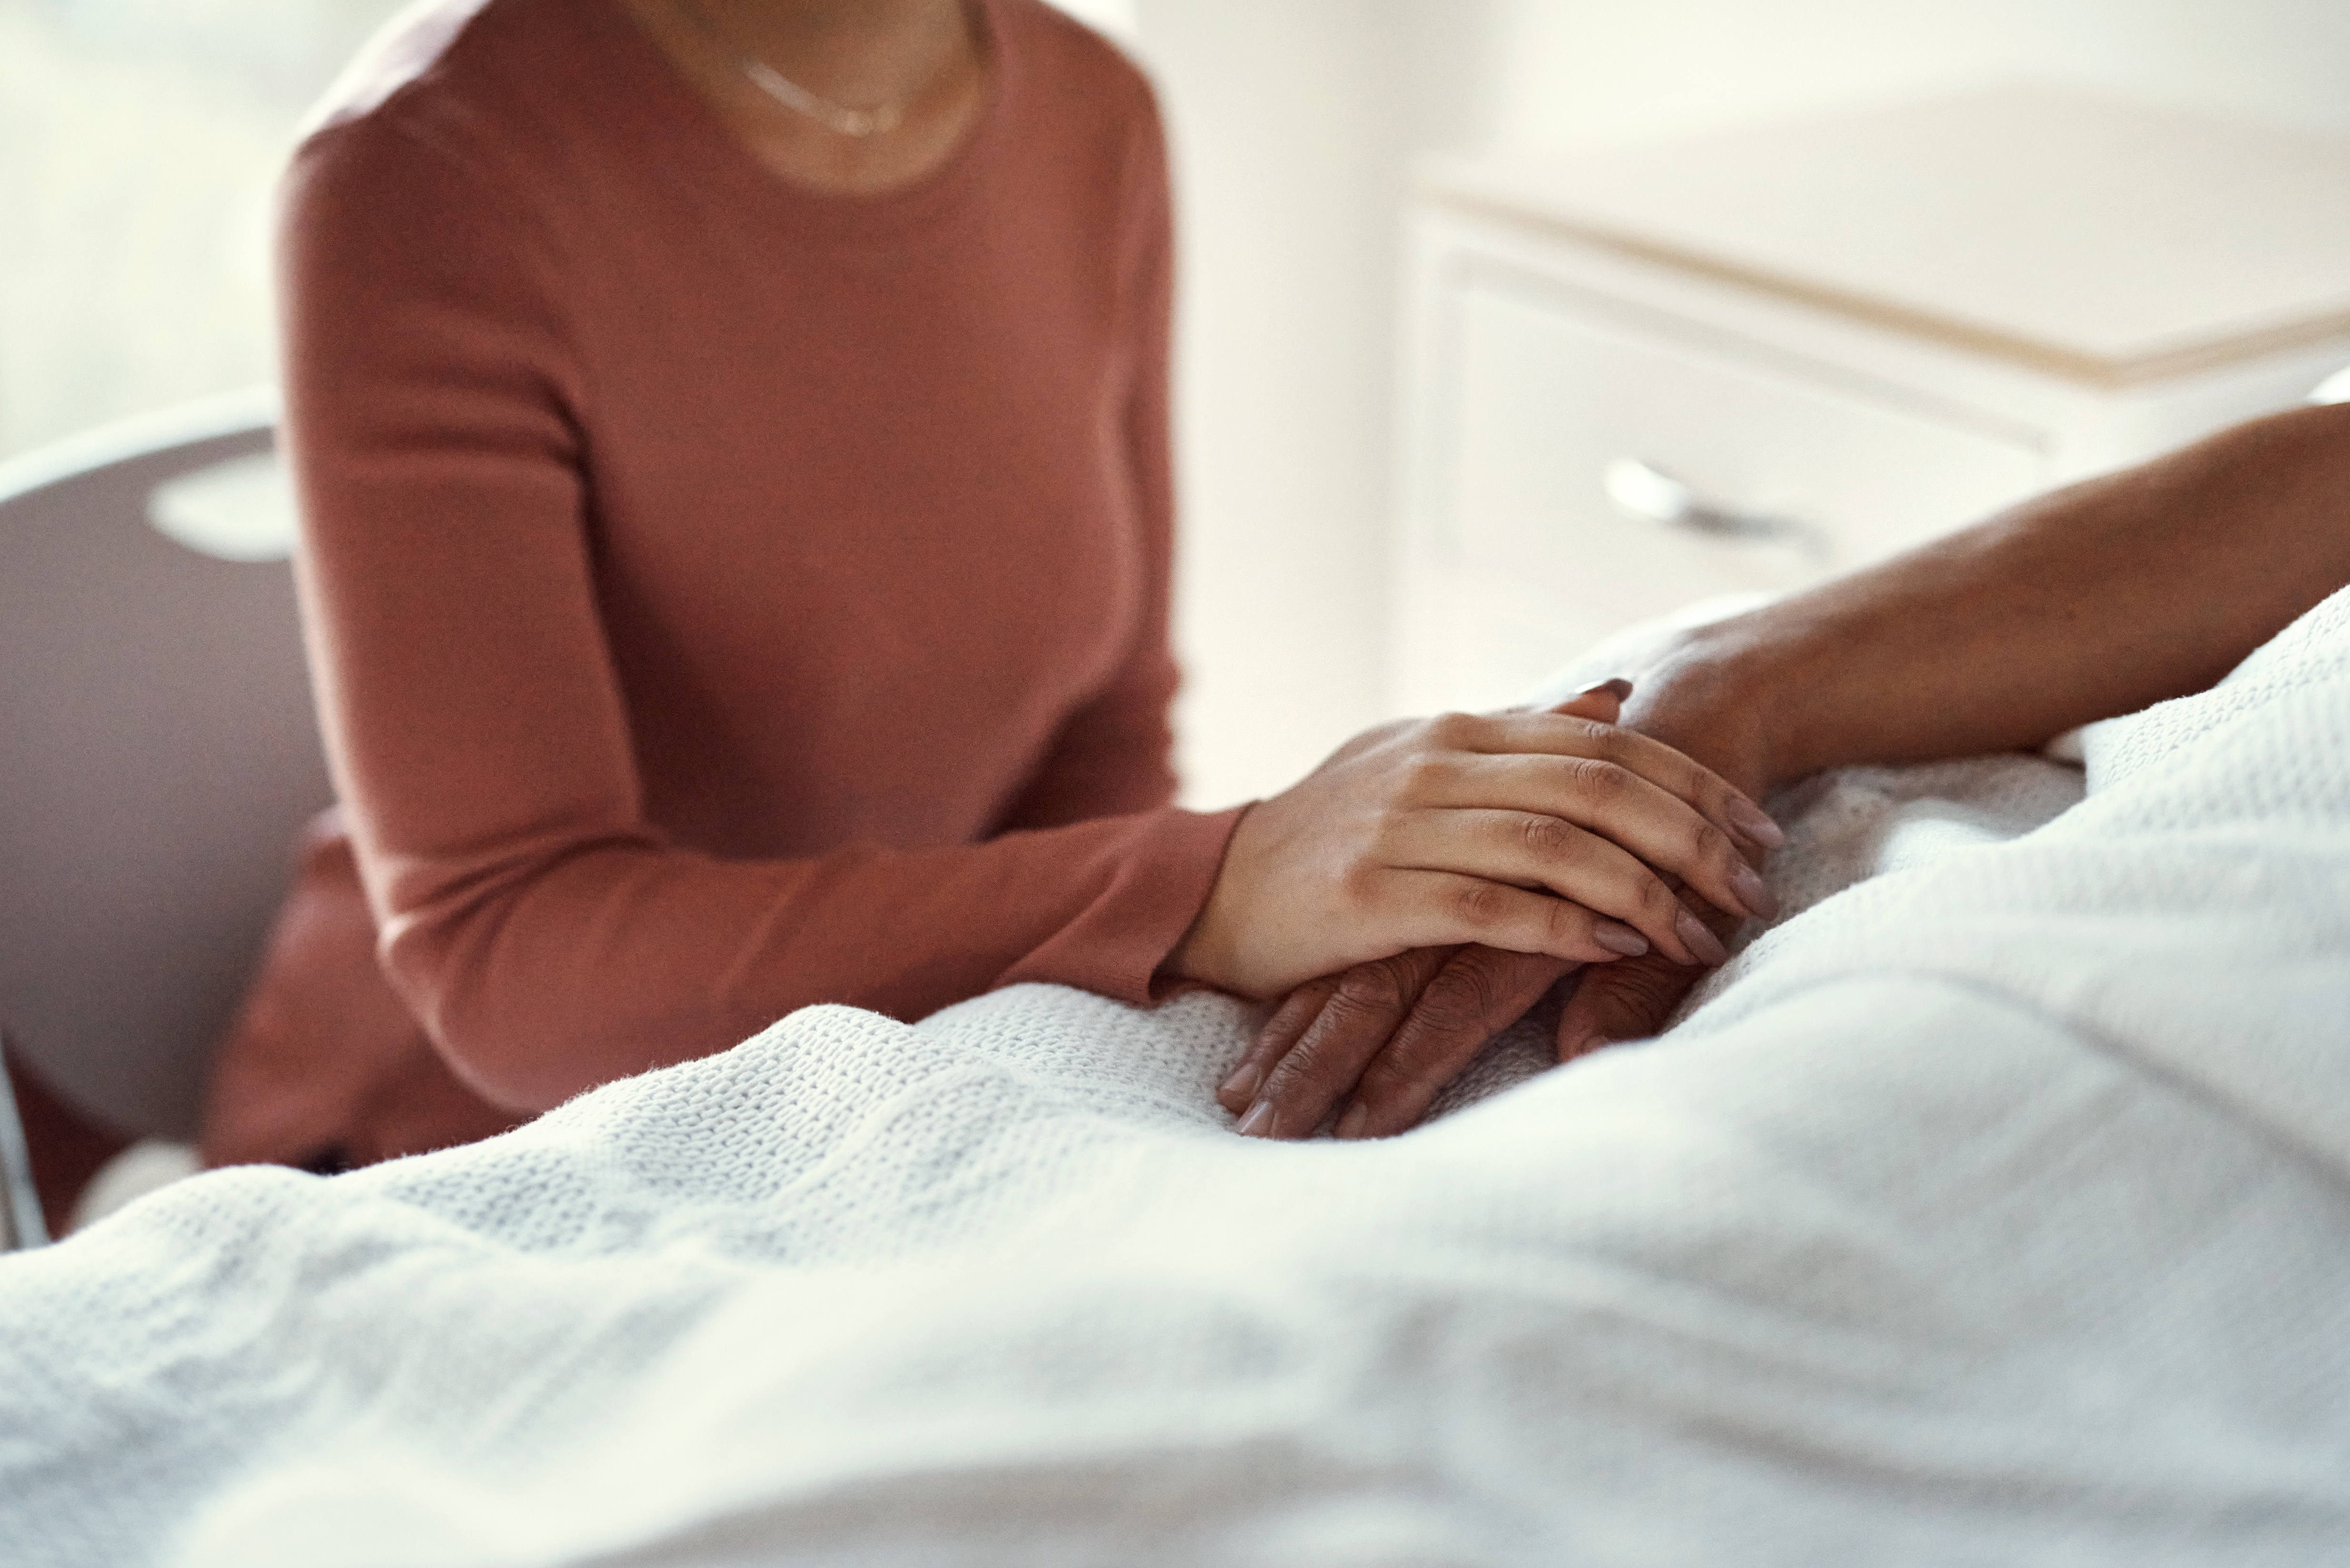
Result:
[1384,1038]
[1540,833]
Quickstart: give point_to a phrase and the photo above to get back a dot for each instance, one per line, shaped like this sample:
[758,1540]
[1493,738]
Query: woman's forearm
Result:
[2093,600]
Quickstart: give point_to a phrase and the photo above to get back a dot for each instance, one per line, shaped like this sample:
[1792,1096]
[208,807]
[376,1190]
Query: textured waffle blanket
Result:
[1994,1207]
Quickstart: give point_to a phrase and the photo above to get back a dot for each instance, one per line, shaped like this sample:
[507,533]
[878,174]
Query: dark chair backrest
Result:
[159,752]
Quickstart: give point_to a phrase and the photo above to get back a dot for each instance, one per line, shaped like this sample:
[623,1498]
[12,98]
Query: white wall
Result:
[1293,120]
[1290,121]
[1586,71]
[139,142]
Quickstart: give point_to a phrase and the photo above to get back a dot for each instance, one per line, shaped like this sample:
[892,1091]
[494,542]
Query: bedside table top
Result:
[2099,240]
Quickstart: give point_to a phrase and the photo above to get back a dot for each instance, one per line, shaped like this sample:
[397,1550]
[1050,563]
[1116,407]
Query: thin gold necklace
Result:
[878,120]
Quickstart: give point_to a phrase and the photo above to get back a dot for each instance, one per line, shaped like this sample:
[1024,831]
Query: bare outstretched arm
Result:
[2095,599]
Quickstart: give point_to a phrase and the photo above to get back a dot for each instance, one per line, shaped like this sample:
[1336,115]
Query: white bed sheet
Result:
[1996,1210]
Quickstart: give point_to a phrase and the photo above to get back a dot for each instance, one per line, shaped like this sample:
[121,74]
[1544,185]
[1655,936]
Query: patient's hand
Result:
[1384,1038]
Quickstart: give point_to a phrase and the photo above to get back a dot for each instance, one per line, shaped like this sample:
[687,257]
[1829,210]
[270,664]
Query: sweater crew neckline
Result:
[688,130]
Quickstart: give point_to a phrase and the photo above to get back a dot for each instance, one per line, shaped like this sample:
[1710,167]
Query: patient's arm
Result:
[2096,600]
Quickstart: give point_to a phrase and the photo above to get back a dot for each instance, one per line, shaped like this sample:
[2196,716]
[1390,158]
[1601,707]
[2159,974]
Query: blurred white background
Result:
[1294,122]
[137,139]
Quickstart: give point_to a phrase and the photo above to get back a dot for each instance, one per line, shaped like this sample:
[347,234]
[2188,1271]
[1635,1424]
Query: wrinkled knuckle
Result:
[1343,1014]
[1451,1006]
[1546,837]
[1600,779]
[1645,991]
[1480,1002]
[1399,973]
[1375,987]
[1712,845]
[1655,984]
[1477,987]
[1480,905]
[1301,1068]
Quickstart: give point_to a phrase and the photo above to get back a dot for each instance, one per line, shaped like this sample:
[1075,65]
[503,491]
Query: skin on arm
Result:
[2096,600]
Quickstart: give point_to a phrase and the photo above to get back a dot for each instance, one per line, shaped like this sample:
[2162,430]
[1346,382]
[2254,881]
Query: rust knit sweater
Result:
[723,597]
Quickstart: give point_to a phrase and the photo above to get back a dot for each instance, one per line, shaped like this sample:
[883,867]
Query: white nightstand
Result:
[1838,336]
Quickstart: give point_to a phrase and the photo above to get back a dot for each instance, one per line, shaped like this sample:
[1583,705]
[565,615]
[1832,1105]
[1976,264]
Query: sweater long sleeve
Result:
[726,598]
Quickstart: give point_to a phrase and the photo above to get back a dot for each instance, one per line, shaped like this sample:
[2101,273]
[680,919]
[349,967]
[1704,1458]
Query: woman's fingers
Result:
[1435,833]
[1444,908]
[1531,848]
[1567,734]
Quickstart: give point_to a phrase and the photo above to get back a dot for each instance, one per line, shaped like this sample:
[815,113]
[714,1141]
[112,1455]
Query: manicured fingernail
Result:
[1241,1084]
[1747,885]
[1352,1124]
[1702,943]
[1754,823]
[1618,937]
[1259,1122]
[1620,689]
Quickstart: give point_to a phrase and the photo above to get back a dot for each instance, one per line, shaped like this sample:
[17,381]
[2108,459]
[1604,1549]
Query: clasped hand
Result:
[1470,859]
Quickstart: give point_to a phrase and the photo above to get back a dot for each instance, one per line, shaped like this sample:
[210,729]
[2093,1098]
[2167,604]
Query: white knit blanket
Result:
[1995,1210]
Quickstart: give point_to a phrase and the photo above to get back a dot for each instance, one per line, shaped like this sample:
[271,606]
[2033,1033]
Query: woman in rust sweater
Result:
[732,440]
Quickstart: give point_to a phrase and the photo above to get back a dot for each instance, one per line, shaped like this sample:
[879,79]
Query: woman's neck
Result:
[856,53]
[913,65]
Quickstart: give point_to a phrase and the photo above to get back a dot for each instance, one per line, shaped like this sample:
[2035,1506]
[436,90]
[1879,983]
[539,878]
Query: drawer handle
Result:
[1650,493]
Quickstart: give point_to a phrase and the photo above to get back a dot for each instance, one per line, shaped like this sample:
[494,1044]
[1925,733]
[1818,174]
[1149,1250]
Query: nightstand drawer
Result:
[1827,472]
[1870,325]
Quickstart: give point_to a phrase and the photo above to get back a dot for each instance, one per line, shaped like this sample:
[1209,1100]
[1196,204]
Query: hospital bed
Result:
[1992,1206]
